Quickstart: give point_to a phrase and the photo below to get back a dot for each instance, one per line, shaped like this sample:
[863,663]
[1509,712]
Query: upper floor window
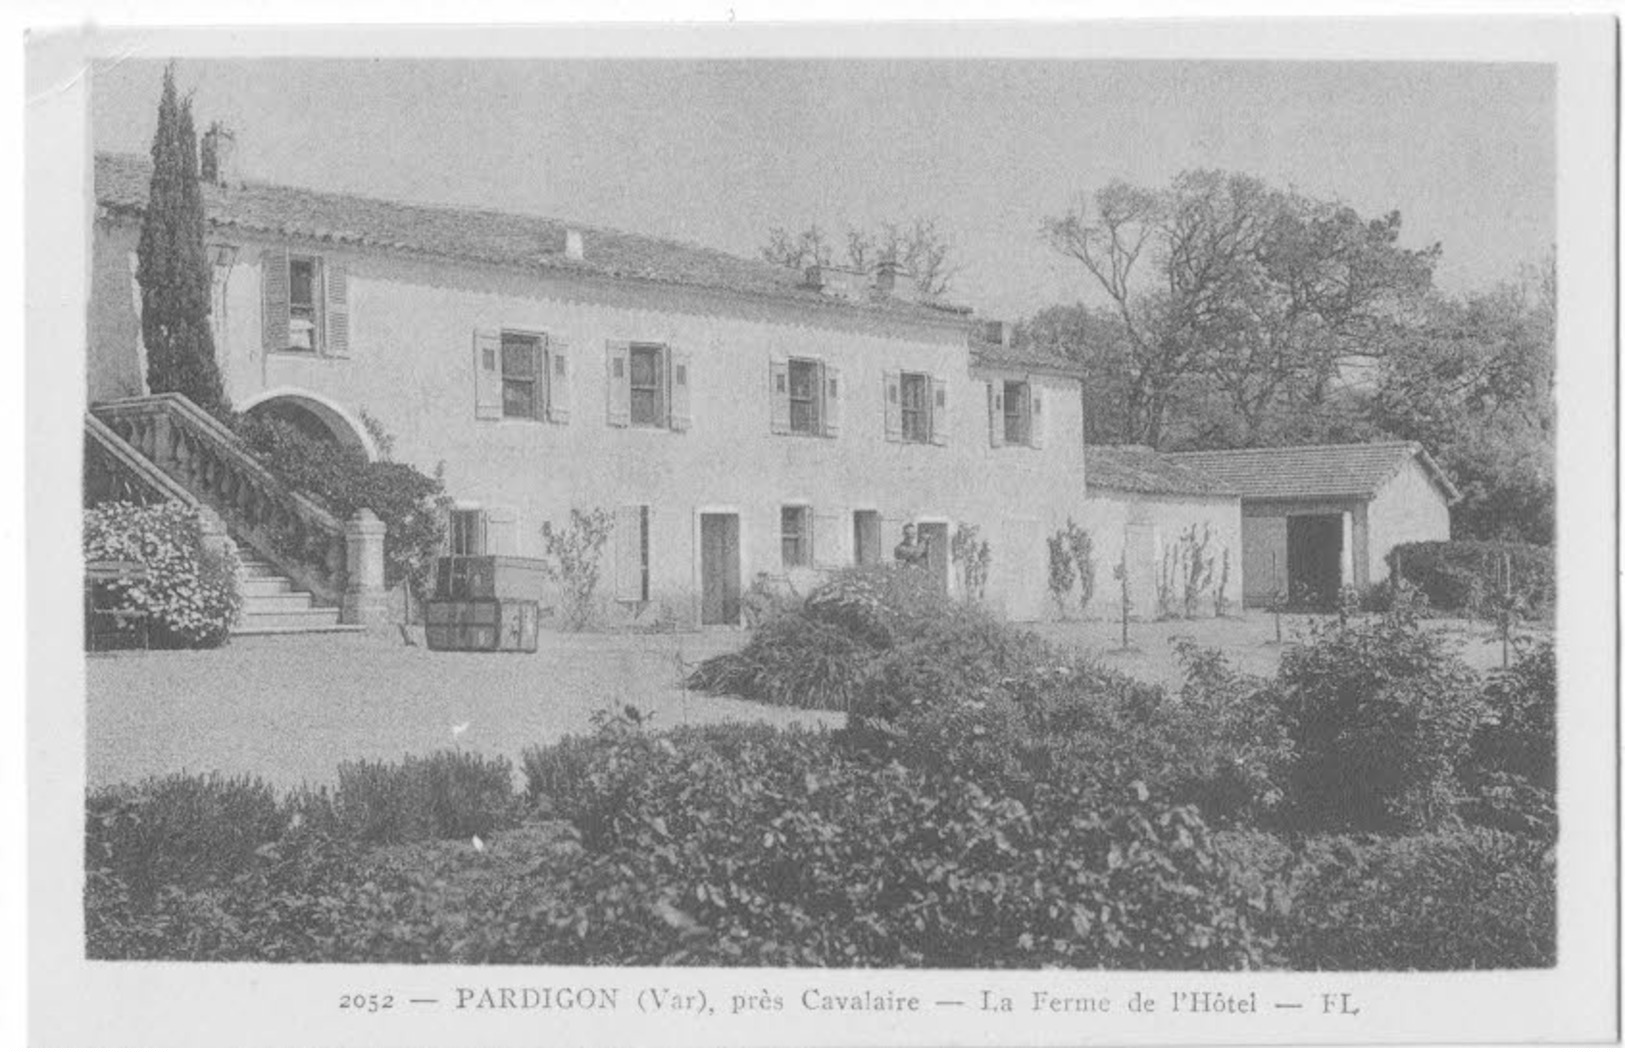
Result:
[916,408]
[1015,413]
[805,397]
[524,372]
[520,375]
[805,400]
[305,303]
[916,395]
[648,386]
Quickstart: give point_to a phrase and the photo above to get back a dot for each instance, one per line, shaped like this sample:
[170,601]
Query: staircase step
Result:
[316,617]
[258,586]
[277,603]
[296,630]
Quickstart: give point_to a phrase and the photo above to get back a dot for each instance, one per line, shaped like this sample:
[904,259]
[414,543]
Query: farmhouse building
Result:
[733,416]
[1315,518]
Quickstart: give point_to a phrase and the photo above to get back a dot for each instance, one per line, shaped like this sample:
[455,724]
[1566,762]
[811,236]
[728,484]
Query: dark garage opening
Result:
[1314,556]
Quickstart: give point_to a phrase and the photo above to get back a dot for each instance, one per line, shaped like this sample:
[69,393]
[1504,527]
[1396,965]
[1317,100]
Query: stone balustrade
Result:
[339,563]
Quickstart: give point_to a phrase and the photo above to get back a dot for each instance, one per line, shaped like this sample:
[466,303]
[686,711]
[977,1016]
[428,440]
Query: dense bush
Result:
[445,795]
[1466,576]
[190,592]
[409,503]
[793,661]
[782,848]
[1511,769]
[1380,714]
[1454,899]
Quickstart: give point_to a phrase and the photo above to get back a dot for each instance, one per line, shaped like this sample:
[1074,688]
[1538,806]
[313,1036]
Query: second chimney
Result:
[218,163]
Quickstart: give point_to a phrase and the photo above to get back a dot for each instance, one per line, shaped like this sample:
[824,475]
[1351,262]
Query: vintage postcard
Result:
[856,534]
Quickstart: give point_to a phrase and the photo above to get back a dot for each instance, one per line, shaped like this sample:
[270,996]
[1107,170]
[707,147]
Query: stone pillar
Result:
[213,528]
[1345,561]
[365,601]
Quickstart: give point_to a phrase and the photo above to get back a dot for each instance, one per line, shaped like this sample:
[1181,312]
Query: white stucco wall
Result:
[411,366]
[1148,525]
[1409,508]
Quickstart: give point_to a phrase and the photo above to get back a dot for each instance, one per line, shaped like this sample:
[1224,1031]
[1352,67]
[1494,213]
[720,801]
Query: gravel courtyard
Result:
[291,708]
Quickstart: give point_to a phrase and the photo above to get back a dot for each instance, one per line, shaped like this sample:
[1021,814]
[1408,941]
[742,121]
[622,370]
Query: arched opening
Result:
[314,415]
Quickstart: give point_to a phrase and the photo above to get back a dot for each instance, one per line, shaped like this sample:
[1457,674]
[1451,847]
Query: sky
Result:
[719,152]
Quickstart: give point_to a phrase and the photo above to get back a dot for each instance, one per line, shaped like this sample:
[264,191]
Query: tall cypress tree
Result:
[173,267]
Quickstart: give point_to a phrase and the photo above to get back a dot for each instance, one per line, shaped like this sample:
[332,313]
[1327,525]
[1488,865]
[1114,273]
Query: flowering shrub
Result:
[190,593]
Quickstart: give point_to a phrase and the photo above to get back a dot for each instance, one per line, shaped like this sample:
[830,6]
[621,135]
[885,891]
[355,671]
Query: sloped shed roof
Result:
[1303,472]
[1141,469]
[474,235]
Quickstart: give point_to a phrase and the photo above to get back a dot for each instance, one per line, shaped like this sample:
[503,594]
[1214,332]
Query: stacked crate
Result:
[486,603]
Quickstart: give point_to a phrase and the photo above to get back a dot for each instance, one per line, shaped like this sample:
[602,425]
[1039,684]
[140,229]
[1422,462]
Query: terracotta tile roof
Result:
[1141,469]
[473,235]
[1312,471]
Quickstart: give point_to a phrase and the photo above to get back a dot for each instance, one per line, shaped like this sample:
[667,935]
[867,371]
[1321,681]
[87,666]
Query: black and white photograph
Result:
[775,541]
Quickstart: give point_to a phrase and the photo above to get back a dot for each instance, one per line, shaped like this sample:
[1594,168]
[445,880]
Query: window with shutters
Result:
[806,401]
[304,303]
[915,395]
[795,535]
[524,376]
[647,384]
[1017,421]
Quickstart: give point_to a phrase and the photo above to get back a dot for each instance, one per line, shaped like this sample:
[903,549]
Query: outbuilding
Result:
[1315,518]
[1172,529]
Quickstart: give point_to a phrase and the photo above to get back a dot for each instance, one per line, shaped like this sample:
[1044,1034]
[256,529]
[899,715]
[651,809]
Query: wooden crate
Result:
[482,624]
[489,577]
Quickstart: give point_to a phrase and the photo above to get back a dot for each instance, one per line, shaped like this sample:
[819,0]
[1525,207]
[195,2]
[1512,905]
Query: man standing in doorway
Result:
[912,552]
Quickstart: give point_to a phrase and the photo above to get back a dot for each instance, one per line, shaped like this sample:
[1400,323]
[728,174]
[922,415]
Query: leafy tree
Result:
[1472,381]
[917,245]
[1258,299]
[173,266]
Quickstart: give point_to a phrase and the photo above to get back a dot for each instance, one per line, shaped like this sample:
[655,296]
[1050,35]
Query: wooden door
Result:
[935,536]
[719,569]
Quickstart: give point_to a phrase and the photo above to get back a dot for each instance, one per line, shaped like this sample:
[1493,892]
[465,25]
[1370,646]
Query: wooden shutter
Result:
[629,552]
[487,374]
[501,531]
[892,394]
[618,383]
[778,395]
[682,381]
[939,411]
[1035,415]
[558,381]
[336,309]
[832,401]
[274,301]
[995,413]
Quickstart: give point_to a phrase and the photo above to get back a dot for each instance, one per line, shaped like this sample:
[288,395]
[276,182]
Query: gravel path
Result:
[291,708]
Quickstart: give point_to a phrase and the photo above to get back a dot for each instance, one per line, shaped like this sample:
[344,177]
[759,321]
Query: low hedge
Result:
[1467,576]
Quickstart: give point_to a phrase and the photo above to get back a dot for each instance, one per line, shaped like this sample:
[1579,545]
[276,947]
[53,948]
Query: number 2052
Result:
[367,1002]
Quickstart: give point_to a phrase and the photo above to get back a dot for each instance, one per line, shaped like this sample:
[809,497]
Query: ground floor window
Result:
[467,532]
[795,535]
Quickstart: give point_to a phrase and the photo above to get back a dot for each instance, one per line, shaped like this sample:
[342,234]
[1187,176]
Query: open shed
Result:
[1315,518]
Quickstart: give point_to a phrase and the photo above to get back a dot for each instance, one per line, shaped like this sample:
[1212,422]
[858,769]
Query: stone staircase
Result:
[273,606]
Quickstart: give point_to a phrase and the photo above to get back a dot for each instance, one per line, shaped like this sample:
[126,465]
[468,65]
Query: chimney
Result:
[574,247]
[894,280]
[219,156]
[995,331]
